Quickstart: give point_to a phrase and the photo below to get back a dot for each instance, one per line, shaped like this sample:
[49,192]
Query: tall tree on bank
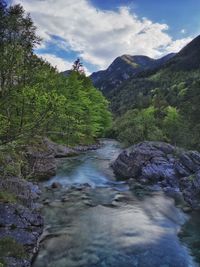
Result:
[34,98]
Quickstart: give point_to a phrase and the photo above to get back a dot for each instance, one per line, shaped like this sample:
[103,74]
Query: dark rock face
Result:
[27,193]
[190,187]
[158,162]
[59,151]
[41,159]
[20,221]
[42,165]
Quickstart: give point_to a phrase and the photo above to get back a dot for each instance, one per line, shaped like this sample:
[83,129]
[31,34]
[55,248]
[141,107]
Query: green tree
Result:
[138,125]
[173,125]
[34,98]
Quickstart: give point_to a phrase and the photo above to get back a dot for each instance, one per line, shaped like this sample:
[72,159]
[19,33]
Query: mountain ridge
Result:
[123,68]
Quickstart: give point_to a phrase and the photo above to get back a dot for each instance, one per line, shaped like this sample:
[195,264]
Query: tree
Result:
[173,125]
[78,66]
[35,99]
[138,125]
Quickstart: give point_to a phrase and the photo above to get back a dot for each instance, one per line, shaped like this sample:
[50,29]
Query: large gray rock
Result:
[20,221]
[41,158]
[27,193]
[59,151]
[190,187]
[148,160]
[41,164]
[153,162]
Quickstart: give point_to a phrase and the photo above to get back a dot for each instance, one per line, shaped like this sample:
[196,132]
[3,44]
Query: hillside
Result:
[188,58]
[182,67]
[161,103]
[124,68]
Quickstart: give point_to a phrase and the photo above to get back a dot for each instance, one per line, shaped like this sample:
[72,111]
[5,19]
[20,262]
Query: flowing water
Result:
[94,220]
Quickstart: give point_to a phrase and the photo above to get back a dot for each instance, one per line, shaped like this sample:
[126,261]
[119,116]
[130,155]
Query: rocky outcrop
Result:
[41,164]
[163,164]
[41,157]
[20,222]
[59,151]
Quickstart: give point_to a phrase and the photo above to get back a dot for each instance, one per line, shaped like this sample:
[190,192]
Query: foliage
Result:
[174,94]
[7,197]
[173,125]
[138,125]
[11,160]
[10,248]
[35,99]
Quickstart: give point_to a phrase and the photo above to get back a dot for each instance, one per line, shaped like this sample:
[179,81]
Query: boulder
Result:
[41,164]
[56,185]
[164,164]
[21,223]
[147,160]
[59,151]
[190,186]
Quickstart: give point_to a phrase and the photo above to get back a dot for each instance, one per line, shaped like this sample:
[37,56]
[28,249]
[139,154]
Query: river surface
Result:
[94,220]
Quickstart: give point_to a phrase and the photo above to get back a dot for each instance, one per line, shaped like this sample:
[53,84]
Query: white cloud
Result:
[60,63]
[98,36]
[57,62]
[177,45]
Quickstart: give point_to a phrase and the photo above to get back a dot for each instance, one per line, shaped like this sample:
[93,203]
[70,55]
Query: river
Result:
[94,220]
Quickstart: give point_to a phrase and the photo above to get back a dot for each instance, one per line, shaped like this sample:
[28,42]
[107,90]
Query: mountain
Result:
[161,103]
[166,77]
[123,68]
[188,58]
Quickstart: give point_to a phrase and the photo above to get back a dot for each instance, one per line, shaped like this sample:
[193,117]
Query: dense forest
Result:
[35,100]
[162,104]
[70,199]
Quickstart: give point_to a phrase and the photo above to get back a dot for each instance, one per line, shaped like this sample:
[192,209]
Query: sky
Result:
[98,31]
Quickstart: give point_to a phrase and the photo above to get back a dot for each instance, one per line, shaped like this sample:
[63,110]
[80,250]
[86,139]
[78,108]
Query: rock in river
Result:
[159,162]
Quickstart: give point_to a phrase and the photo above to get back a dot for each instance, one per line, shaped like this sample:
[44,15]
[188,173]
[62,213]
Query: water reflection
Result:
[91,168]
[105,227]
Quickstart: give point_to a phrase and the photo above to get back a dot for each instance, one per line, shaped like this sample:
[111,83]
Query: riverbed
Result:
[94,220]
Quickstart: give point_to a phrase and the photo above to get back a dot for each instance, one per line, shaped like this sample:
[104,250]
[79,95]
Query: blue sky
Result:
[178,14]
[100,30]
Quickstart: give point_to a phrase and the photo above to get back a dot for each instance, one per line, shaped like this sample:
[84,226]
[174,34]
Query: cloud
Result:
[98,36]
[177,45]
[60,63]
[57,62]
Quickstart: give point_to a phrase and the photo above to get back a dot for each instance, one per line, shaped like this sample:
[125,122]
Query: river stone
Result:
[59,151]
[27,193]
[163,164]
[56,185]
[190,187]
[41,165]
[21,220]
[144,160]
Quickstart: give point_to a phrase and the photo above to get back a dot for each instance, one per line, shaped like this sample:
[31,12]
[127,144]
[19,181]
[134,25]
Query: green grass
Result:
[192,177]
[7,197]
[10,248]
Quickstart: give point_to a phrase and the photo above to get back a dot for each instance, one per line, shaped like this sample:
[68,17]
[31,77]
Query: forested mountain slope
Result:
[123,68]
[161,104]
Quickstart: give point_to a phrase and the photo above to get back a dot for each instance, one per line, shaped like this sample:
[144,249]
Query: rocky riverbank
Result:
[156,163]
[21,224]
[41,159]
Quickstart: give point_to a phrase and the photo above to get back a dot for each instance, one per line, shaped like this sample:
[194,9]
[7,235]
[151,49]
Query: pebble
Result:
[46,201]
[56,185]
